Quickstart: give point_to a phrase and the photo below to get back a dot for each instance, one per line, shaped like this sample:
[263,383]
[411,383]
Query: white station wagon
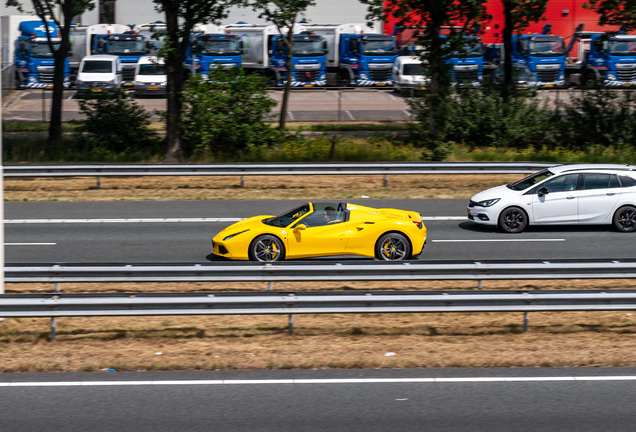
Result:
[563,194]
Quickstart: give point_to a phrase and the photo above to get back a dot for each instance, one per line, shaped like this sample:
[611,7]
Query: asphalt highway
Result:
[173,231]
[519,399]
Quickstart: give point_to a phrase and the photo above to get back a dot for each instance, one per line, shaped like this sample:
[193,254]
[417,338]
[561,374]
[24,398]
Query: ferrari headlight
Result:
[488,203]
[234,235]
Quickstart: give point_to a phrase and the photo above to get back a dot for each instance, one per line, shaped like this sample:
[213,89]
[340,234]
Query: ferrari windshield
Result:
[529,181]
[288,217]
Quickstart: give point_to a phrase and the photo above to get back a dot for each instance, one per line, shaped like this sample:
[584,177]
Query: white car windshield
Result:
[529,181]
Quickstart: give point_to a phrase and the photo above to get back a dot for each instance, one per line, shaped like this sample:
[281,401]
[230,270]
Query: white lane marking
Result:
[290,115]
[349,114]
[173,220]
[391,96]
[498,240]
[71,96]
[131,220]
[30,244]
[408,114]
[318,381]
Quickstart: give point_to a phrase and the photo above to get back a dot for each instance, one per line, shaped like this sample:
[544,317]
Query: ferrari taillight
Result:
[418,224]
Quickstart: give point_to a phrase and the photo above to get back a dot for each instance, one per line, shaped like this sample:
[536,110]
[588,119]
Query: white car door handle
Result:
[570,197]
[610,193]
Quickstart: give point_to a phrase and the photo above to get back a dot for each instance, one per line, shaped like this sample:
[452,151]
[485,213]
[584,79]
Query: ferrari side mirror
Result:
[301,227]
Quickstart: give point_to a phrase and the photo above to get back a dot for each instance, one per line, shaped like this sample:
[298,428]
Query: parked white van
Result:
[408,75]
[150,76]
[98,73]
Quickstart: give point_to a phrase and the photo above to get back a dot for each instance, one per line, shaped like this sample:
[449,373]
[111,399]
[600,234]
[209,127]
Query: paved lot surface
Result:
[304,105]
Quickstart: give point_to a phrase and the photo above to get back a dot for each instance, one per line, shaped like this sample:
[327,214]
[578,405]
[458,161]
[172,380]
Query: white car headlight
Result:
[489,202]
[32,79]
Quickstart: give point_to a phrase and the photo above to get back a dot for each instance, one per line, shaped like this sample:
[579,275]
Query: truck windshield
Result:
[413,69]
[307,48]
[42,50]
[471,49]
[547,48]
[383,46]
[151,69]
[126,47]
[97,66]
[623,47]
[220,47]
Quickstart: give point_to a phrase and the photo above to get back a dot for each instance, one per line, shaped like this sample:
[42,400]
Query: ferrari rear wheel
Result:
[267,248]
[393,247]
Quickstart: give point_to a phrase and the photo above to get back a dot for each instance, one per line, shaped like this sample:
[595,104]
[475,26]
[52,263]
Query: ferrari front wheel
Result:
[393,247]
[267,248]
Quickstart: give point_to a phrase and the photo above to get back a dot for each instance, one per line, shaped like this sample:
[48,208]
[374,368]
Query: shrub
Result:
[115,124]
[226,114]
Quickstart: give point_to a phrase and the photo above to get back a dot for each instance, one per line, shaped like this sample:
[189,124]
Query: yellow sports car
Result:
[324,229]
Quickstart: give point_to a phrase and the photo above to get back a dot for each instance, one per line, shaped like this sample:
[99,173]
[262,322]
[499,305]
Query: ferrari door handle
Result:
[570,197]
[610,193]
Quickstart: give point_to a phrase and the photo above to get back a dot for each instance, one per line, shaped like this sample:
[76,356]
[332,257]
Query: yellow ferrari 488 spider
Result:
[324,229]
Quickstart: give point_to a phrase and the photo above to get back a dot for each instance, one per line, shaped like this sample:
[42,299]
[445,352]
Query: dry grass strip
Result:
[320,341]
[256,187]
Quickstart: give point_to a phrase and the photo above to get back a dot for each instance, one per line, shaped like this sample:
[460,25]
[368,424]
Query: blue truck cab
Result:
[265,52]
[208,51]
[544,55]
[611,60]
[466,65]
[368,59]
[356,54]
[34,63]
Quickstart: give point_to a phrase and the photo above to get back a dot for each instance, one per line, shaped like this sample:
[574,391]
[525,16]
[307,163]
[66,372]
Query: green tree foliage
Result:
[227,113]
[432,16]
[61,12]
[115,123]
[181,17]
[602,117]
[614,12]
[283,14]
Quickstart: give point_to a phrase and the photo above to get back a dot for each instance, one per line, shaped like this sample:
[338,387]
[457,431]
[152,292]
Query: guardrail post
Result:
[53,322]
[480,285]
[270,286]
[386,180]
[99,183]
[525,322]
[242,182]
[291,323]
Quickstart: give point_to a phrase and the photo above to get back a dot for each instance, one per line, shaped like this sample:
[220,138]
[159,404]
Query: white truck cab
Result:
[99,73]
[408,75]
[150,76]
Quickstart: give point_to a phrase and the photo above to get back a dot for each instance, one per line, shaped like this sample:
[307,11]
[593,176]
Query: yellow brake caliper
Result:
[387,253]
[274,251]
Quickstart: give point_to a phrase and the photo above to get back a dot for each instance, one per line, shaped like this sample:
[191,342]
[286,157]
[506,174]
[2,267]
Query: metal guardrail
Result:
[290,303]
[74,305]
[312,272]
[273,169]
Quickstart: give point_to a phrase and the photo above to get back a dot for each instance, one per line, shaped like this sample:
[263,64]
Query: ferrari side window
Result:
[322,218]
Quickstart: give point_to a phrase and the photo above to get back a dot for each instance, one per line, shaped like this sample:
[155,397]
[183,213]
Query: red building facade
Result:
[564,15]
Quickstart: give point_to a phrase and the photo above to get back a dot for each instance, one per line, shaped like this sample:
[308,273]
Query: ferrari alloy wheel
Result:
[513,220]
[625,219]
[393,247]
[267,248]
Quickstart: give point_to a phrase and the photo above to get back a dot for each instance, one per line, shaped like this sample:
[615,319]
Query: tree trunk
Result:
[435,64]
[507,37]
[283,109]
[55,125]
[174,72]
